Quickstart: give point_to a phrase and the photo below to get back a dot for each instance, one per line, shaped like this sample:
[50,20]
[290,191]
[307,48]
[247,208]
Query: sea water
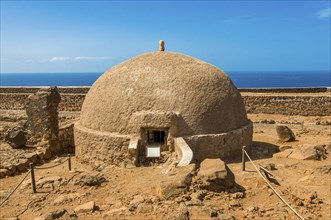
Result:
[242,79]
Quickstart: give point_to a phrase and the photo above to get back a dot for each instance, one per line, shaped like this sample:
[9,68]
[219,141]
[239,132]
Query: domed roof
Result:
[202,94]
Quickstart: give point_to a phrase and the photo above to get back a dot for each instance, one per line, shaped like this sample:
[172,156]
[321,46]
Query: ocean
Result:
[242,79]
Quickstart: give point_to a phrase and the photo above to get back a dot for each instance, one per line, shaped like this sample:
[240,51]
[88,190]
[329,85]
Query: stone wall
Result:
[226,146]
[289,105]
[100,148]
[287,101]
[15,98]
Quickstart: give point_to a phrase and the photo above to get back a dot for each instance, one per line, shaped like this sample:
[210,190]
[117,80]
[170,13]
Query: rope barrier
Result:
[272,188]
[44,168]
[15,188]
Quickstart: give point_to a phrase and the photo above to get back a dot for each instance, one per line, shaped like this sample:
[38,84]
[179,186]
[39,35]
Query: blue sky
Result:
[92,36]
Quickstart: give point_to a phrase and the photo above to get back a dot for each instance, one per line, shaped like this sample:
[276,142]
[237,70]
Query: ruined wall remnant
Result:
[42,124]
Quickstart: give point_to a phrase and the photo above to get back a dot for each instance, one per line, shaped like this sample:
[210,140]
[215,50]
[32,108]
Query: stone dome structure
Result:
[162,101]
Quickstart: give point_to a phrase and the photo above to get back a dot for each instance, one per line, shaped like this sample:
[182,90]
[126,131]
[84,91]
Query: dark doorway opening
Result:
[156,137]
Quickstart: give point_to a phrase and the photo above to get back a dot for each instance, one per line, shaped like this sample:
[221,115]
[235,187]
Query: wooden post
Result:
[69,162]
[33,180]
[243,158]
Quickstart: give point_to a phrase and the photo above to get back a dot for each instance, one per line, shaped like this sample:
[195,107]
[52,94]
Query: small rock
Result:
[57,214]
[62,199]
[271,166]
[238,195]
[48,180]
[253,209]
[32,157]
[284,133]
[144,208]
[88,180]
[200,195]
[85,208]
[16,138]
[213,213]
[113,211]
[21,164]
[182,213]
[137,200]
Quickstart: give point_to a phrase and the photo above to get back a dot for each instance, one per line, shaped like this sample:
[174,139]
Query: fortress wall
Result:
[287,101]
[289,105]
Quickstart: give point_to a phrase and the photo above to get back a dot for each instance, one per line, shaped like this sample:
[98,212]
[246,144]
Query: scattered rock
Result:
[136,201]
[16,138]
[85,208]
[320,152]
[62,199]
[182,213]
[284,133]
[114,212]
[238,195]
[200,195]
[271,166]
[266,121]
[47,181]
[326,169]
[88,180]
[215,174]
[56,214]
[144,208]
[21,164]
[32,157]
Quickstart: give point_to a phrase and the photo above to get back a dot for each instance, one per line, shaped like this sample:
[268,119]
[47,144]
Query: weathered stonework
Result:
[223,146]
[100,148]
[43,123]
[154,99]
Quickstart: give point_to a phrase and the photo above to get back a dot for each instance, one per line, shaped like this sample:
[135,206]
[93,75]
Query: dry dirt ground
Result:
[131,193]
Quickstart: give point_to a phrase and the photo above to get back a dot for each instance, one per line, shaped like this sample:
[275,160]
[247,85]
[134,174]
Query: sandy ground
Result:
[131,193]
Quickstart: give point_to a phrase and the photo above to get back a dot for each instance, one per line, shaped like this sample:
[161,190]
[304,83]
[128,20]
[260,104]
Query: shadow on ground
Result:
[263,150]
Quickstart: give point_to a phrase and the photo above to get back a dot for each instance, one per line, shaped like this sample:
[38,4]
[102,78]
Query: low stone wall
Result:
[287,101]
[17,100]
[100,148]
[288,105]
[226,146]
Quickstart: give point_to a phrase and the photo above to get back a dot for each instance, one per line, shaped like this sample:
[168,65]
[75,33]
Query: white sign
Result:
[153,151]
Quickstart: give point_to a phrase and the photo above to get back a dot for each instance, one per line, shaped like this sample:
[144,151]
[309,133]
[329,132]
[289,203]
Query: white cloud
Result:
[92,58]
[325,13]
[59,59]
[78,58]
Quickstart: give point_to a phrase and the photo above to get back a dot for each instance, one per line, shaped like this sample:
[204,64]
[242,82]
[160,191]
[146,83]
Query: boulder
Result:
[307,152]
[176,184]
[215,175]
[285,134]
[16,138]
[85,208]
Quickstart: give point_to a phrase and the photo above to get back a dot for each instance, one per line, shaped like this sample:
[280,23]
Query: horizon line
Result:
[87,72]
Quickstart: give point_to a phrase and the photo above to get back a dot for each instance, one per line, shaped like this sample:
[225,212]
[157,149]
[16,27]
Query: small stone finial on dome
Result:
[161,45]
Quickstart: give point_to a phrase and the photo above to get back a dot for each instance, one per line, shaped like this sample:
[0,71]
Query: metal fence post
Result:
[69,162]
[33,180]
[243,158]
